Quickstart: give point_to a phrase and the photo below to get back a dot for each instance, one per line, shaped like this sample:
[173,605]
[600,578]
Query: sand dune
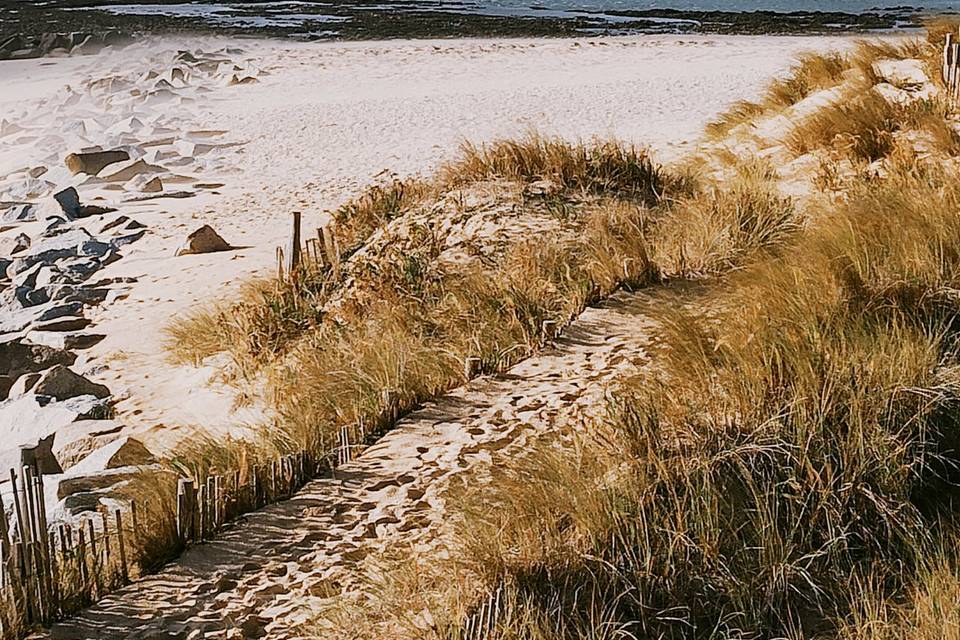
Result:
[241,133]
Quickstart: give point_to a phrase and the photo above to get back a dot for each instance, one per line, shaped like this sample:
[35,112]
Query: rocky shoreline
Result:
[58,27]
[67,215]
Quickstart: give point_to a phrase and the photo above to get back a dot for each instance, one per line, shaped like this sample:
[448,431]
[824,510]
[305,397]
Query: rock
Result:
[124,171]
[88,210]
[20,213]
[154,185]
[130,238]
[79,439]
[116,222]
[31,416]
[20,356]
[69,201]
[51,247]
[77,271]
[39,455]
[905,97]
[61,383]
[23,385]
[71,484]
[66,340]
[203,240]
[122,453]
[89,296]
[61,324]
[59,311]
[27,277]
[15,314]
[21,242]
[93,163]
[94,248]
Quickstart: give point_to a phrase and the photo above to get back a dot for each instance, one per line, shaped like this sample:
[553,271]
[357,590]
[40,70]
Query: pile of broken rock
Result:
[51,417]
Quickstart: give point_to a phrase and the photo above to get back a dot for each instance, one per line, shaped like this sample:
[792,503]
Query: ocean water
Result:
[310,14]
[847,6]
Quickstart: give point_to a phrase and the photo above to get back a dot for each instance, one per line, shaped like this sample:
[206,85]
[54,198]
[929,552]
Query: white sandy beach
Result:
[318,123]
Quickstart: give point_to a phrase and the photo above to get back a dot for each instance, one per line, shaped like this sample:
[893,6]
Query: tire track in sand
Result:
[267,574]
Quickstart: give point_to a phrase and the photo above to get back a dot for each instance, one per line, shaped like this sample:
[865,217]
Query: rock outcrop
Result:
[203,240]
[93,163]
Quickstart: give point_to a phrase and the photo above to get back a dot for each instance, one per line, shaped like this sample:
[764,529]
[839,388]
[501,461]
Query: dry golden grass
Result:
[724,225]
[929,611]
[861,125]
[807,432]
[609,168]
[812,72]
[785,473]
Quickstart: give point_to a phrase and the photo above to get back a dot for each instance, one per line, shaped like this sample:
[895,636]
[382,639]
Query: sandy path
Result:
[267,574]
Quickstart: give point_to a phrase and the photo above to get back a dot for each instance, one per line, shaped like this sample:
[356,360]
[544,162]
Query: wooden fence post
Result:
[471,367]
[293,248]
[122,549]
[95,567]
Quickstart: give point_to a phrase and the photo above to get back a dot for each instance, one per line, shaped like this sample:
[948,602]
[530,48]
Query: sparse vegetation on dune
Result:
[807,435]
[790,469]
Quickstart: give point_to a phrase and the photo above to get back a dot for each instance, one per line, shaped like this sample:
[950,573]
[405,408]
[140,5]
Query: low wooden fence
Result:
[46,571]
[204,507]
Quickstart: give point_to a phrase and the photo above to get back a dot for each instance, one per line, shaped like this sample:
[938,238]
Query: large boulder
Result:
[203,240]
[51,247]
[71,484]
[32,416]
[903,74]
[39,455]
[61,383]
[24,385]
[122,452]
[94,162]
[122,466]
[63,340]
[125,171]
[18,357]
[69,201]
[79,439]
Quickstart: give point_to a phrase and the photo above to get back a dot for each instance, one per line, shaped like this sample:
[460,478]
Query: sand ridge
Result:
[324,120]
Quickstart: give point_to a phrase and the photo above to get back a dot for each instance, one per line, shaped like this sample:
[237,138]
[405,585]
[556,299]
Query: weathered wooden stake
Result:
[293,248]
[105,523]
[123,551]
[95,567]
[471,367]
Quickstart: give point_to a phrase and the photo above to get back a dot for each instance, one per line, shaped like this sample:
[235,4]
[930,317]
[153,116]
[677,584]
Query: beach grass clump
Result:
[724,225]
[267,314]
[861,125]
[742,112]
[253,329]
[812,72]
[610,168]
[805,435]
[930,610]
